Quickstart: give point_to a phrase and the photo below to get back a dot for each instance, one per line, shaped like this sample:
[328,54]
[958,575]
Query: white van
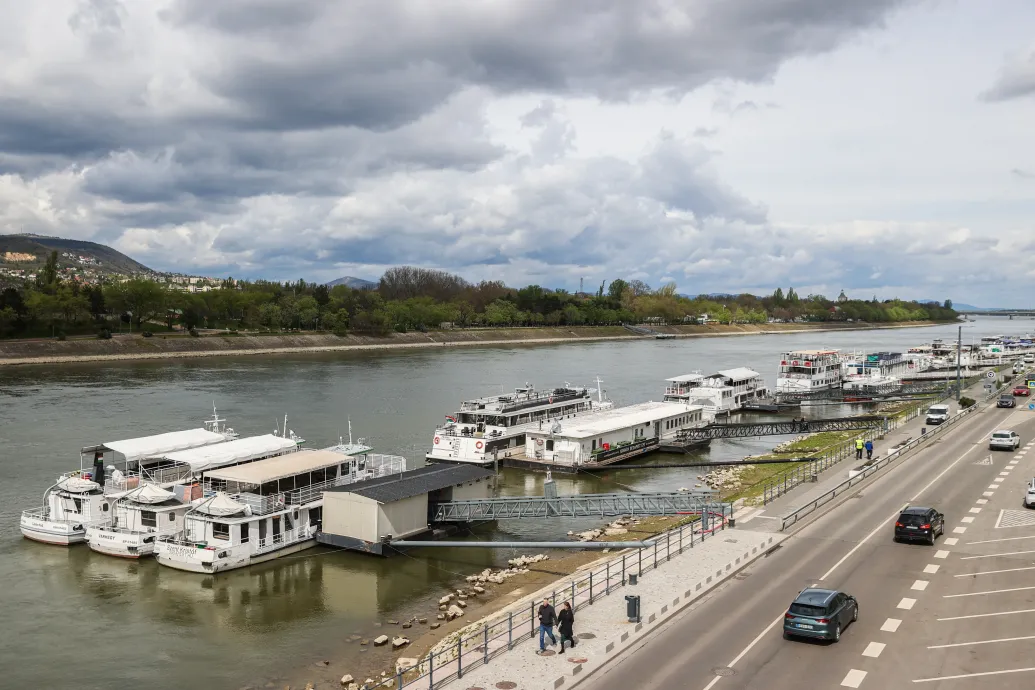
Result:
[937,414]
[1029,359]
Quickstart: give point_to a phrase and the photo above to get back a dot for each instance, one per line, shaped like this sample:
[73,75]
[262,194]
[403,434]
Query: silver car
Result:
[1004,440]
[1029,497]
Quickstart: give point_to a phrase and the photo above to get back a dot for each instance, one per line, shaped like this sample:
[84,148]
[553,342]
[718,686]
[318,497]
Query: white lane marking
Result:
[987,615]
[967,644]
[974,675]
[931,568]
[920,585]
[951,541]
[975,511]
[1004,474]
[874,649]
[853,679]
[990,591]
[991,541]
[995,555]
[998,480]
[967,520]
[959,530]
[941,554]
[745,651]
[996,572]
[891,625]
[1012,464]
[993,487]
[982,501]
[906,604]
[988,494]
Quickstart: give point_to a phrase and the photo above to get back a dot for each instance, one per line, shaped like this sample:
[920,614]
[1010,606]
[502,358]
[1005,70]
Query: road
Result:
[908,595]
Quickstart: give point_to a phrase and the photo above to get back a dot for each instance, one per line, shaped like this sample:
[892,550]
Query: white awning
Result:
[739,374]
[148,494]
[232,452]
[262,471]
[147,446]
[77,485]
[221,505]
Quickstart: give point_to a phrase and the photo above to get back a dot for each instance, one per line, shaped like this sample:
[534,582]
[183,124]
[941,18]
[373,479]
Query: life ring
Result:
[539,441]
[479,445]
[436,440]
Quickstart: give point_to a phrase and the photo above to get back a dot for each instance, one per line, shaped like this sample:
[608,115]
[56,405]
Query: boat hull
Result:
[120,545]
[203,561]
[53,532]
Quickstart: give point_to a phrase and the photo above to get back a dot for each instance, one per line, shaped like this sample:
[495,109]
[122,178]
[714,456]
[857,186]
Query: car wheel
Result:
[932,538]
[855,613]
[837,633]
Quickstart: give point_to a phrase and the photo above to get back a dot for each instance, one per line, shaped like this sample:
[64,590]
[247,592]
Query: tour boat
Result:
[862,387]
[85,495]
[808,371]
[495,425]
[721,393]
[883,364]
[263,510]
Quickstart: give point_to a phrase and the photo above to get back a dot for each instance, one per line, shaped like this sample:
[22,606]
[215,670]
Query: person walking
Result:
[547,619]
[869,450]
[565,621]
[858,449]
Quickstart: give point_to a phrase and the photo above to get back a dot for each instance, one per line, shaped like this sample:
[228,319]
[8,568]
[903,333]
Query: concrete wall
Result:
[350,515]
[402,518]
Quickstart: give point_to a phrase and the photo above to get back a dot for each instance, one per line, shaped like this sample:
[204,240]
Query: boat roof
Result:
[684,378]
[618,418]
[418,482]
[147,446]
[812,352]
[231,452]
[739,374]
[272,469]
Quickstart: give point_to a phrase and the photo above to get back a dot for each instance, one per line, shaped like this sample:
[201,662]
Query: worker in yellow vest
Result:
[859,448]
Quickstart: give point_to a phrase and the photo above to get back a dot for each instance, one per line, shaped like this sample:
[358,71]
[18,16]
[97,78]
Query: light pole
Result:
[959,348]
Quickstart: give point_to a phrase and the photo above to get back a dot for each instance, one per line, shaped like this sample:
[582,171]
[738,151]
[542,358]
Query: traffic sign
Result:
[990,375]
[1031,406]
[1031,384]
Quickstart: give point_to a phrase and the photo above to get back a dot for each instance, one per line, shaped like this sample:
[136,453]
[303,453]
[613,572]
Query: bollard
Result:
[633,578]
[632,607]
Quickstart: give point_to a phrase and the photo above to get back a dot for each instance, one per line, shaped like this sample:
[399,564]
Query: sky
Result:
[884,148]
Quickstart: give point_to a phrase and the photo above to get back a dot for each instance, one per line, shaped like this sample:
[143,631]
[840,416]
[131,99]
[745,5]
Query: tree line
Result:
[406,298]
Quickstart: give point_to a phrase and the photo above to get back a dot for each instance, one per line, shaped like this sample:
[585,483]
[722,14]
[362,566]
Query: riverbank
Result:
[136,347]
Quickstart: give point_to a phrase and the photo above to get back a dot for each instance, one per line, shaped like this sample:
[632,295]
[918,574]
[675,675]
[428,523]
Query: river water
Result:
[77,619]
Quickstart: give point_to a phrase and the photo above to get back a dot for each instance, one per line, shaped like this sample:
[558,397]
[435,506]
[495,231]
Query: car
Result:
[820,614]
[917,523]
[1004,439]
[1006,400]
[1029,496]
[1029,359]
[937,414]
[1022,391]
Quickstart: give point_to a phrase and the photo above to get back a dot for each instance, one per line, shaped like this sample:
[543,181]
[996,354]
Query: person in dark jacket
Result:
[565,621]
[547,619]
[869,449]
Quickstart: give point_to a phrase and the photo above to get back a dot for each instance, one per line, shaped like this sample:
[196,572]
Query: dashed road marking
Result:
[967,520]
[891,625]
[931,568]
[920,585]
[941,554]
[1004,474]
[874,649]
[988,494]
[951,541]
[959,530]
[853,679]
[993,487]
[982,501]
[996,555]
[975,510]
[906,603]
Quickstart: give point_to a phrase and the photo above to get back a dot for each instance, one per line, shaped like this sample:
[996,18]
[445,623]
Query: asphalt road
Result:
[732,639]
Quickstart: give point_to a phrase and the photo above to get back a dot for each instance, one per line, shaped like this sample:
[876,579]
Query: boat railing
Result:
[36,513]
[276,541]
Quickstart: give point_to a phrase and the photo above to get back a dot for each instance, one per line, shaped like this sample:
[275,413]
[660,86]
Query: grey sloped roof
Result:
[414,482]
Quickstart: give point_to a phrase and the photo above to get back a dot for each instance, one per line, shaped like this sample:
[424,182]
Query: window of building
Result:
[221,531]
[148,518]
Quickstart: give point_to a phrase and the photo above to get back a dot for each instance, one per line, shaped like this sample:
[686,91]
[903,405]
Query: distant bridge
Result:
[1004,312]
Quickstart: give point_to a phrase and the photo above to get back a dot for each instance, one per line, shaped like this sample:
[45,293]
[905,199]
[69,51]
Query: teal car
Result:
[820,613]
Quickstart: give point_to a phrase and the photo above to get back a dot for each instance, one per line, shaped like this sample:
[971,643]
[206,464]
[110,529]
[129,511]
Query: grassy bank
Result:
[162,346]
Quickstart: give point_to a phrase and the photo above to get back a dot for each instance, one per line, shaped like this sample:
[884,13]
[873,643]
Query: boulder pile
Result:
[725,477]
[496,577]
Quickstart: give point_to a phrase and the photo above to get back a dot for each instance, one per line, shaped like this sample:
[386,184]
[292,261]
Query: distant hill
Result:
[354,283]
[971,307]
[39,246]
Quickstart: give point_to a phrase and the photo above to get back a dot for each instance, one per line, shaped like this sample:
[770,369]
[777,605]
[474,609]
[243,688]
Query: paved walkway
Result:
[603,628]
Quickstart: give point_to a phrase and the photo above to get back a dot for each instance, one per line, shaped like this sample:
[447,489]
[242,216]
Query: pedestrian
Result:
[565,621]
[858,449]
[547,619]
[869,450]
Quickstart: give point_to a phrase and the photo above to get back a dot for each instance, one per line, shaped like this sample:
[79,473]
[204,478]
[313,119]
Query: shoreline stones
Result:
[380,640]
[400,641]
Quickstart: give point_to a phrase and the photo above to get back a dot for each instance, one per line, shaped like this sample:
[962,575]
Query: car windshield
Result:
[1001,434]
[938,410]
[910,519]
[807,610]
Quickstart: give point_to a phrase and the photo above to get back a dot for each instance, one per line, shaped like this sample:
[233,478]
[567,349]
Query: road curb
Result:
[615,648]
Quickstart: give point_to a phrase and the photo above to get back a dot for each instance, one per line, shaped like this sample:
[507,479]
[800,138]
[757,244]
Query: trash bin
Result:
[923,431]
[632,607]
[633,578]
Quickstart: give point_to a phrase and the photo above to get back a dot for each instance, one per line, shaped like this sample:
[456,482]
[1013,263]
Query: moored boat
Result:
[803,372]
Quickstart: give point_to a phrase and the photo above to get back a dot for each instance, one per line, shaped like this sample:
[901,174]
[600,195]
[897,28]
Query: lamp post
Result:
[959,348]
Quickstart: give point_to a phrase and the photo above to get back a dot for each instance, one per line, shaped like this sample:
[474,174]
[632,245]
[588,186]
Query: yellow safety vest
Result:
[858,443]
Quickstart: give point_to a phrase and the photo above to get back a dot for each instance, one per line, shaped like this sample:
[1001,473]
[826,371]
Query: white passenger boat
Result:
[721,393]
[491,425]
[808,371]
[859,387]
[264,510]
[881,364]
[82,496]
[156,508]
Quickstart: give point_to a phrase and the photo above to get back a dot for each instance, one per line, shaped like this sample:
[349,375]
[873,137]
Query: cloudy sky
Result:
[882,147]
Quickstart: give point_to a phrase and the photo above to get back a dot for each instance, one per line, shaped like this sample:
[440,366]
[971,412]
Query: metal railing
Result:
[807,471]
[891,457]
[478,647]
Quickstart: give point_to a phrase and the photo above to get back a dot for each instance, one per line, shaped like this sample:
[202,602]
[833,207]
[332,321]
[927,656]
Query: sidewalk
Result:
[603,630]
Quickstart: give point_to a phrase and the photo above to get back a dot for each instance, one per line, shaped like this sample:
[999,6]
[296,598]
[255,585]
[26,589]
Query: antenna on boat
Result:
[600,391]
[350,431]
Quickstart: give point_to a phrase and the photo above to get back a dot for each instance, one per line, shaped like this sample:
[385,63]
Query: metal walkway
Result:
[713,431]
[588,505]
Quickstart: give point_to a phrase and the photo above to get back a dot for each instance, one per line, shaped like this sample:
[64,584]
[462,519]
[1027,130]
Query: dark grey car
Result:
[820,614]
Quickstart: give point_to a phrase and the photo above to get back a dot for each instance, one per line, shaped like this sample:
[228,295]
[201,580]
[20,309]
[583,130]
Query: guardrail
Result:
[496,637]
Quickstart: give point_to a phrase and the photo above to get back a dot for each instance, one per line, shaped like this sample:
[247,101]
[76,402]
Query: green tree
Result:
[616,289]
[948,304]
[47,278]
[144,299]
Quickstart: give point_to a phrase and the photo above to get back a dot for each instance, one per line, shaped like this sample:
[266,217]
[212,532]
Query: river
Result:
[77,619]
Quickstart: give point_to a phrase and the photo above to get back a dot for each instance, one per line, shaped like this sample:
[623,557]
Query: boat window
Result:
[244,534]
[148,518]
[172,517]
[104,508]
[221,530]
[287,522]
[549,445]
[262,529]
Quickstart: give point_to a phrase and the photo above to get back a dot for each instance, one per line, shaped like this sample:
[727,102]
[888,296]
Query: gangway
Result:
[587,505]
[776,428]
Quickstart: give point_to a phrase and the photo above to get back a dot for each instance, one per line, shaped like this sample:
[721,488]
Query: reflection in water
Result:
[74,618]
